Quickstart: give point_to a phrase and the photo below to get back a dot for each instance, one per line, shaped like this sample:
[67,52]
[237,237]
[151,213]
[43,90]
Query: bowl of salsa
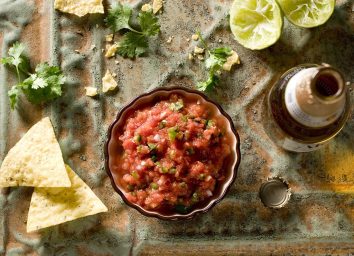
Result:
[172,153]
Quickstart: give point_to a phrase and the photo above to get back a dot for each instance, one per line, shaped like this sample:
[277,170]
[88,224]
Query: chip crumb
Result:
[231,60]
[93,47]
[111,50]
[79,7]
[220,41]
[97,26]
[109,38]
[91,91]
[117,62]
[156,6]
[190,56]
[114,74]
[146,8]
[188,39]
[195,37]
[169,40]
[198,50]
[77,51]
[200,57]
[108,82]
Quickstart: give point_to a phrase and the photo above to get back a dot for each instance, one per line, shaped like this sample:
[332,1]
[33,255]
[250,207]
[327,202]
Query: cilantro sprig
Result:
[214,64]
[42,86]
[135,42]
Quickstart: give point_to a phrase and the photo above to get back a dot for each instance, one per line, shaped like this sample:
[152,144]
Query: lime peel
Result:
[256,24]
[307,13]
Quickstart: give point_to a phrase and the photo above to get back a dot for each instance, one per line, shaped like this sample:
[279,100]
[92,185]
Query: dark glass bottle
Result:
[307,107]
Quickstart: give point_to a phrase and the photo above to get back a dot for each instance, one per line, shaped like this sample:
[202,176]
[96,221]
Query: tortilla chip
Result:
[79,7]
[36,160]
[53,206]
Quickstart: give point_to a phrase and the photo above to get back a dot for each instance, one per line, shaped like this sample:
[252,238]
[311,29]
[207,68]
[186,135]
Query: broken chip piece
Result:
[36,160]
[109,38]
[231,60]
[111,50]
[195,37]
[146,8]
[79,7]
[53,206]
[156,6]
[91,91]
[198,50]
[108,82]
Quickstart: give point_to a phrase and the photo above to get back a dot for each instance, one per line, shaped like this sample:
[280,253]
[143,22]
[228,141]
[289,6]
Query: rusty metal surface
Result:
[319,219]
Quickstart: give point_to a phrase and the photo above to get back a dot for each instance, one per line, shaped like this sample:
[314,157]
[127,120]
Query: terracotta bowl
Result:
[147,99]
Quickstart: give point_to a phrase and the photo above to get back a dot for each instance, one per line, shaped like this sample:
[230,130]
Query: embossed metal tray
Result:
[319,219]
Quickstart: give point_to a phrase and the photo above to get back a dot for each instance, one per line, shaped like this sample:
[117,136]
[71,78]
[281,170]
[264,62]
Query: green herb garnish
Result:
[182,209]
[184,118]
[210,123]
[201,176]
[172,133]
[214,63]
[42,86]
[135,175]
[152,146]
[195,197]
[154,158]
[130,187]
[176,106]
[154,186]
[164,169]
[173,170]
[135,42]
[137,138]
[190,151]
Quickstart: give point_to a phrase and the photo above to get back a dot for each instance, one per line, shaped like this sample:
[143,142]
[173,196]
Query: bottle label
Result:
[295,146]
[298,114]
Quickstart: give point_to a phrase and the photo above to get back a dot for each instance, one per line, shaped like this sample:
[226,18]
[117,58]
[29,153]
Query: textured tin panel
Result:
[319,218]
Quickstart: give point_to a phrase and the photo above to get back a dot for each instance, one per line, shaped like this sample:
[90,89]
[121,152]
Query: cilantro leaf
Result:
[15,52]
[13,95]
[222,52]
[133,45]
[172,133]
[44,85]
[16,59]
[149,23]
[215,61]
[135,42]
[207,85]
[118,17]
[218,57]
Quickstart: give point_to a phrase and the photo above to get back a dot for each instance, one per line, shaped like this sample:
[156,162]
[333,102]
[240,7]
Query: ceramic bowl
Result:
[231,164]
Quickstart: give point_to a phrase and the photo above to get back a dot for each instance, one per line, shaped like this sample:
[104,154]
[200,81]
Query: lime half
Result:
[307,13]
[256,24]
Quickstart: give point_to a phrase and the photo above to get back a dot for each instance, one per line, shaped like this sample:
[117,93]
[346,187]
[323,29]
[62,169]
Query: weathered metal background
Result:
[320,216]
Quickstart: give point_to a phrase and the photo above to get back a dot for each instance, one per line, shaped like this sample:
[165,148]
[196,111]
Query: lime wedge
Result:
[307,13]
[256,24]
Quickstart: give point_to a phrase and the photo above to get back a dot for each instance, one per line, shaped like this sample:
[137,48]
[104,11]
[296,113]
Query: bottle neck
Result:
[315,97]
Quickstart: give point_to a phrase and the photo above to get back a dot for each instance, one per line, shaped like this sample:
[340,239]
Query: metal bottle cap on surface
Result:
[275,193]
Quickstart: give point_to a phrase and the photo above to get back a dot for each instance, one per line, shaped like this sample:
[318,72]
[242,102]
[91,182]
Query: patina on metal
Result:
[319,218]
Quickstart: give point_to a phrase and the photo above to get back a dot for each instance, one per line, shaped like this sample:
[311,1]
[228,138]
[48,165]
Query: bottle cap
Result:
[275,193]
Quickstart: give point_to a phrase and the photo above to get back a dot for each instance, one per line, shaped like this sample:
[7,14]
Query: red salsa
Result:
[173,155]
